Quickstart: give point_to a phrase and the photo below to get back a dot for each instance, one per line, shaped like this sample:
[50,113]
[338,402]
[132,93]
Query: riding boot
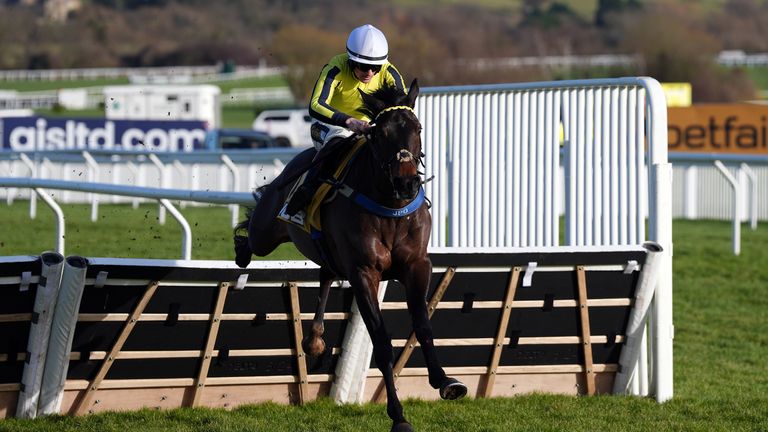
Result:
[304,193]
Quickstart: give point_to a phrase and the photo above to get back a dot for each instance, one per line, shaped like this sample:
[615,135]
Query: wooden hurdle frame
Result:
[132,312]
[586,377]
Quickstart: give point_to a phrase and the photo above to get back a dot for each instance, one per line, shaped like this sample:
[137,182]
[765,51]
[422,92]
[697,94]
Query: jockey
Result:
[336,102]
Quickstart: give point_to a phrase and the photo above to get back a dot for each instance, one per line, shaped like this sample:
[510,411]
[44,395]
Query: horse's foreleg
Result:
[366,297]
[313,344]
[416,284]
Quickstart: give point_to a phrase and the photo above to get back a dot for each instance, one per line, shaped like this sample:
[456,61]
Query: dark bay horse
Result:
[364,245]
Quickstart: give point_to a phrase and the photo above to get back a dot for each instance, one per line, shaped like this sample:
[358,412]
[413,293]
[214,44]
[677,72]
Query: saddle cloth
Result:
[310,220]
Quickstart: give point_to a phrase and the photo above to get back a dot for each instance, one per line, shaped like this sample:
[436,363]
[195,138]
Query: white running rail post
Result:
[736,205]
[32,173]
[234,208]
[135,172]
[93,176]
[161,170]
[752,194]
[186,235]
[60,225]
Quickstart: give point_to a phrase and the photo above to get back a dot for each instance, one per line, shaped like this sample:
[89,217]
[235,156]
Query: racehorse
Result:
[366,244]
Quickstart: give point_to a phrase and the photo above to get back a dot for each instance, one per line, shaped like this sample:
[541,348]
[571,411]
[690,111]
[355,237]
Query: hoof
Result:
[453,389]
[402,427]
[313,346]
[242,251]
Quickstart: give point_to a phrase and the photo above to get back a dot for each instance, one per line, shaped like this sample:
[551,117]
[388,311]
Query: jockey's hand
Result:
[356,125]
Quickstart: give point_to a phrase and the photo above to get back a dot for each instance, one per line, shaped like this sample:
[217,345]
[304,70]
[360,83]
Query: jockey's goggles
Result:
[365,67]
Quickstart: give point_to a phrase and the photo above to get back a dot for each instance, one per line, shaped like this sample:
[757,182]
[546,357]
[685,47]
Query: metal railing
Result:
[163,196]
[111,73]
[705,180]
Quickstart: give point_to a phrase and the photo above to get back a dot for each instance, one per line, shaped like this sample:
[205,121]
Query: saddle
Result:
[310,221]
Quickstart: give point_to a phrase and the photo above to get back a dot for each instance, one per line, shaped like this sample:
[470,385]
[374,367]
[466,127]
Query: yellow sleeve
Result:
[319,105]
[393,77]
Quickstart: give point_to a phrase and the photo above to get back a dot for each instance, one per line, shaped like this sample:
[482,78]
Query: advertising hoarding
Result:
[719,128]
[41,133]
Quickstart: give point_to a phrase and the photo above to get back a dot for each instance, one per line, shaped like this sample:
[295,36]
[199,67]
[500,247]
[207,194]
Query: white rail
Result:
[162,195]
[752,196]
[736,205]
[101,73]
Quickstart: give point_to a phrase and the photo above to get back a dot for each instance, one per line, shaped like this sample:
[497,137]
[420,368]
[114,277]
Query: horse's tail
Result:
[242,247]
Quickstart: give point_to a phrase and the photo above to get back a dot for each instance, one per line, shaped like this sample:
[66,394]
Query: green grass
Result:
[121,231]
[268,81]
[759,76]
[527,413]
[721,340]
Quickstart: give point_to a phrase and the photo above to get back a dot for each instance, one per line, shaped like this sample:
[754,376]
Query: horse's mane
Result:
[389,95]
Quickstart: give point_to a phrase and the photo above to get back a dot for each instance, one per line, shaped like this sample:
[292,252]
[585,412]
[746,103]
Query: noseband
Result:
[401,156]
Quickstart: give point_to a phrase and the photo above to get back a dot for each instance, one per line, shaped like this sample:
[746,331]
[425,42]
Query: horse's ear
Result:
[413,91]
[371,102]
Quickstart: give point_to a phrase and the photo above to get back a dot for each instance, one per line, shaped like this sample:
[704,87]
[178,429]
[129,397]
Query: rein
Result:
[403,155]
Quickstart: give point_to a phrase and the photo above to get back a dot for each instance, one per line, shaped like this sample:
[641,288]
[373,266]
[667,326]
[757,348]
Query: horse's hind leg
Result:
[366,289]
[242,251]
[265,232]
[313,344]
[416,284]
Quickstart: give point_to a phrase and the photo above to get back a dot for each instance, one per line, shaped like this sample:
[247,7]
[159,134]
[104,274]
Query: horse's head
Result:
[395,138]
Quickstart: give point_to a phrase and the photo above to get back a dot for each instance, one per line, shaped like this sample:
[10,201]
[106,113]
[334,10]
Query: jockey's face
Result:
[364,73]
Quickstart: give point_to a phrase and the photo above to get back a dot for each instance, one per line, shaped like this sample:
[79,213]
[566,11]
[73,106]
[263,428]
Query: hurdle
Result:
[128,334]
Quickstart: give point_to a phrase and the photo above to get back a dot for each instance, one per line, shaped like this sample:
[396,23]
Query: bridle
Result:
[401,156]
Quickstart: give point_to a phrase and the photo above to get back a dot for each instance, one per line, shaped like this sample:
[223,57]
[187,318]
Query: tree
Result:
[606,7]
[680,50]
[304,49]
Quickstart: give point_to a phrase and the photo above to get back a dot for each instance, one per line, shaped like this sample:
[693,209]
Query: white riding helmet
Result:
[367,44]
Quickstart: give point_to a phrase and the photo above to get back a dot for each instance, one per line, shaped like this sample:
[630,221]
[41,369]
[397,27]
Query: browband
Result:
[398,107]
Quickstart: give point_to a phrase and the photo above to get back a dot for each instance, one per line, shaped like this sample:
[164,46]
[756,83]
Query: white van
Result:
[164,102]
[287,126]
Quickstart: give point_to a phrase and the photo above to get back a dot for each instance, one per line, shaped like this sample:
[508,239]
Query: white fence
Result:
[699,191]
[734,58]
[702,192]
[564,61]
[722,186]
[497,153]
[197,171]
[111,73]
[93,96]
